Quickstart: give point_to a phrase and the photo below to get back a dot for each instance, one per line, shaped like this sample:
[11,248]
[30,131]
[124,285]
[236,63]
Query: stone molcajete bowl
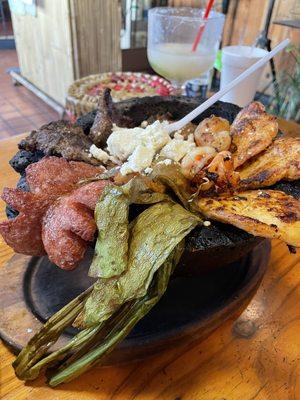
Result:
[206,247]
[216,278]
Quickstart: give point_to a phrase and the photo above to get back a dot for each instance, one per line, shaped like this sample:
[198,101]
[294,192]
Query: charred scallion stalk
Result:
[91,344]
[124,322]
[39,345]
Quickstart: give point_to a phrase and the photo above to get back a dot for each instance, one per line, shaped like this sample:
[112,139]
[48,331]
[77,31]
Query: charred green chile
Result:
[111,250]
[111,216]
[154,234]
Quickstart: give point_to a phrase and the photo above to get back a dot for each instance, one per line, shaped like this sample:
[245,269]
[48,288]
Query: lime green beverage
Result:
[171,33]
[176,61]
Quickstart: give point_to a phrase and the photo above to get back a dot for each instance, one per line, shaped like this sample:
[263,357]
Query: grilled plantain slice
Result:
[266,213]
[279,161]
[252,131]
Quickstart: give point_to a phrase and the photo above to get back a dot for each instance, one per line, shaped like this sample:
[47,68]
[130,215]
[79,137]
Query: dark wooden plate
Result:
[32,289]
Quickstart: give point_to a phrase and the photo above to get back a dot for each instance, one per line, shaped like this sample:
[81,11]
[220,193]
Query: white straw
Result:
[204,106]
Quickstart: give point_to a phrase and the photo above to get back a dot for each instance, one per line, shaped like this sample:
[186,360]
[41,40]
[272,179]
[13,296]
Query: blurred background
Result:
[47,45]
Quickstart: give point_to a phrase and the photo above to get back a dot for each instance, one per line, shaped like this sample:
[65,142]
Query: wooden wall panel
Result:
[44,47]
[68,39]
[246,18]
[96,26]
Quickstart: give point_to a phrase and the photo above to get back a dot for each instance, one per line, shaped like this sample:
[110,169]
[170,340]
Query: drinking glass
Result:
[171,33]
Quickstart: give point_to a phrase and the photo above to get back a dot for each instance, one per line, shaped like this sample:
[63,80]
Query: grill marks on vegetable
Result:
[149,246]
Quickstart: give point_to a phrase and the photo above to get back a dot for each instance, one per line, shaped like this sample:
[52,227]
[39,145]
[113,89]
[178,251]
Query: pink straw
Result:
[202,26]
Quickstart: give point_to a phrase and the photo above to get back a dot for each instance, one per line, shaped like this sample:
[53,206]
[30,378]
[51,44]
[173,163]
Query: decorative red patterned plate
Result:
[83,93]
[124,85]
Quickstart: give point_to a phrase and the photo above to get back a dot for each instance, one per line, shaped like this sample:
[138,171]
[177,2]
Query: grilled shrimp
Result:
[196,160]
[222,173]
[215,132]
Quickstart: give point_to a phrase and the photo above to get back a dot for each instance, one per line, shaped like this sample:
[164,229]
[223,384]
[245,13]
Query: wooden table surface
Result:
[257,357]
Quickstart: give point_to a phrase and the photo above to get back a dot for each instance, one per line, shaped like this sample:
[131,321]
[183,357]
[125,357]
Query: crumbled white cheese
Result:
[157,135]
[148,170]
[99,154]
[178,136]
[115,160]
[137,147]
[167,161]
[140,159]
[206,223]
[177,149]
[191,138]
[122,142]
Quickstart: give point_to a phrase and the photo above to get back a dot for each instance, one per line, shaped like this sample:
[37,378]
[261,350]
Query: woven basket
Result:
[83,94]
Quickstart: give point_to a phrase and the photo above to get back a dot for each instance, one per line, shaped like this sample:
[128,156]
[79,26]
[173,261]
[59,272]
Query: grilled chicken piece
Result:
[252,131]
[268,213]
[279,161]
[214,132]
